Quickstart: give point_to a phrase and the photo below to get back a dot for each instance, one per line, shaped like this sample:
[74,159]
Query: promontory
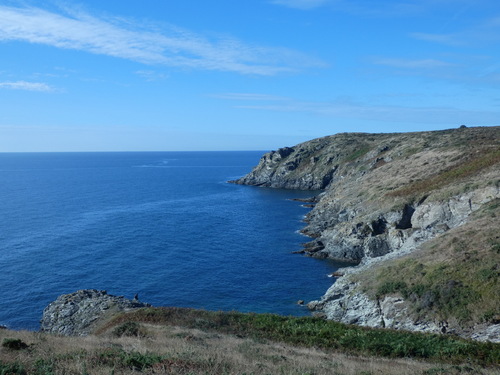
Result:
[418,213]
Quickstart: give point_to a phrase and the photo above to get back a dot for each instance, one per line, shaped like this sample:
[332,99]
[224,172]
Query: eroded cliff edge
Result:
[420,214]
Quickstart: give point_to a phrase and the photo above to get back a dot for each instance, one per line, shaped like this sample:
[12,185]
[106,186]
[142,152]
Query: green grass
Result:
[315,332]
[12,369]
[361,151]
[131,329]
[455,277]
[442,289]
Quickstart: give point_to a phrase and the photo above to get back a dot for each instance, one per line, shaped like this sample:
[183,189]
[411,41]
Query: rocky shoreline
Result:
[384,196]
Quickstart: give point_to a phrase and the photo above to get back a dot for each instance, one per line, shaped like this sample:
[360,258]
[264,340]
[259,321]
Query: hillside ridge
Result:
[385,196]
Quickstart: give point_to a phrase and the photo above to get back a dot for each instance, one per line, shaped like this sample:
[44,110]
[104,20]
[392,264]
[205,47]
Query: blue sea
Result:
[165,225]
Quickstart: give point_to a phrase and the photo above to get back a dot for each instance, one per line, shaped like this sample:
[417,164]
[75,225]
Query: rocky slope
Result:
[386,196]
[77,314]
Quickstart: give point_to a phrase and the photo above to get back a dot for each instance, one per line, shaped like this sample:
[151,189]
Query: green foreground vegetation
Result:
[187,341]
[320,333]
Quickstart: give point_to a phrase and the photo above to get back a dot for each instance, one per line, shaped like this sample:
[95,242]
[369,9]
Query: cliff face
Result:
[386,195]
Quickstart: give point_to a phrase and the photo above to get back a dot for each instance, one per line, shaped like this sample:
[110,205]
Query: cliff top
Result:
[389,195]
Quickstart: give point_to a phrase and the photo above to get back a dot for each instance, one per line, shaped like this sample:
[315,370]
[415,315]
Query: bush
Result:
[130,329]
[14,344]
[132,360]
[43,367]
[390,287]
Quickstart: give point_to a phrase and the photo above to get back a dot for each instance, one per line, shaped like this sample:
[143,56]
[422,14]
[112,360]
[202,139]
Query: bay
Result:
[166,225]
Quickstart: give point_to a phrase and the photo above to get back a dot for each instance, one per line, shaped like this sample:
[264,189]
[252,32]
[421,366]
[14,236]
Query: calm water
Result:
[165,225]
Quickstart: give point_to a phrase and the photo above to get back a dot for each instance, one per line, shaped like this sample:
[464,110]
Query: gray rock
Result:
[76,314]
[358,218]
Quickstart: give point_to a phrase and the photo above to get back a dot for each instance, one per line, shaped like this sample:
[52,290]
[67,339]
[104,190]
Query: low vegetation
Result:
[464,169]
[186,341]
[316,332]
[455,277]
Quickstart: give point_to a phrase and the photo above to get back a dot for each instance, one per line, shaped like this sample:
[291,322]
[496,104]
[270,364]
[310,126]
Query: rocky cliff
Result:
[385,197]
[77,314]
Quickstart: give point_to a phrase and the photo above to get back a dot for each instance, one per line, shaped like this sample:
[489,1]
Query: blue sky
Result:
[123,75]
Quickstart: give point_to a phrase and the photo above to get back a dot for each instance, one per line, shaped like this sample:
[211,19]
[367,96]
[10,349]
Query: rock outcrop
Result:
[385,195]
[77,314]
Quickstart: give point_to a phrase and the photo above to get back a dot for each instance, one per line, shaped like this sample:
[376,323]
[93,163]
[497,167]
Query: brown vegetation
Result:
[166,349]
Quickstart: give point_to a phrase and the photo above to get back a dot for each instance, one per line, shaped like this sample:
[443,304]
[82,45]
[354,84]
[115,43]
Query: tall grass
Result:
[315,332]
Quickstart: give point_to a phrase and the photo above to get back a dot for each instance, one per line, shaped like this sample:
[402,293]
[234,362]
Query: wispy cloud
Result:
[412,64]
[27,86]
[380,8]
[248,96]
[349,109]
[301,4]
[171,46]
[449,39]
[151,75]
[484,33]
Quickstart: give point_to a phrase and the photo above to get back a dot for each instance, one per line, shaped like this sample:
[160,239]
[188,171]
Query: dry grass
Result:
[176,350]
[466,168]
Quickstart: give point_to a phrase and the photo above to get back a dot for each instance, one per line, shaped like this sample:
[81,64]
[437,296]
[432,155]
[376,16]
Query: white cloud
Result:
[171,46]
[27,86]
[348,109]
[248,96]
[151,76]
[412,64]
[449,39]
[370,8]
[485,33]
[301,4]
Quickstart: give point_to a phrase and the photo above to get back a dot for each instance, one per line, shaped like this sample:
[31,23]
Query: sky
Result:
[193,75]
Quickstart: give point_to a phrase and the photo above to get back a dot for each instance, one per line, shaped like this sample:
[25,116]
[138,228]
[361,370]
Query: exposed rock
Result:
[336,274]
[345,303]
[356,241]
[487,333]
[384,196]
[76,314]
[313,199]
[292,168]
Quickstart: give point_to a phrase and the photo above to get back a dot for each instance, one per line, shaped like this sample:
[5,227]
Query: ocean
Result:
[165,225]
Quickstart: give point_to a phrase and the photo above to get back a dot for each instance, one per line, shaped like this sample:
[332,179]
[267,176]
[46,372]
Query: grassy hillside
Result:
[185,341]
[455,277]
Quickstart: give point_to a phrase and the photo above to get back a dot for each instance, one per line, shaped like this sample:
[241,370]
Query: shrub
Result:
[131,329]
[390,287]
[134,360]
[14,344]
[43,367]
